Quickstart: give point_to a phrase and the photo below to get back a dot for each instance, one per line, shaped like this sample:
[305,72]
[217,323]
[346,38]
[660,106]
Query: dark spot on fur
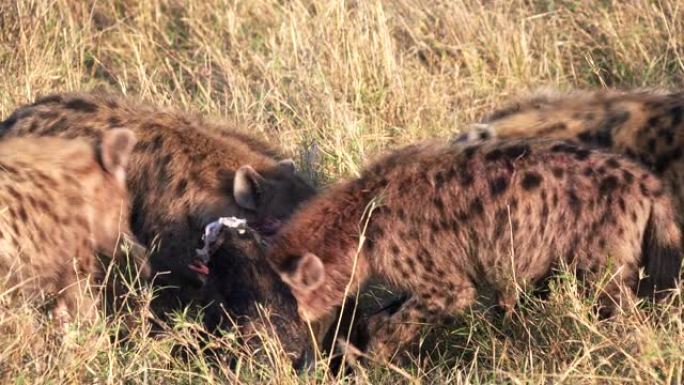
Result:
[8,123]
[627,176]
[585,137]
[113,121]
[575,203]
[588,171]
[437,201]
[47,115]
[439,179]
[22,214]
[603,139]
[157,142]
[580,153]
[58,127]
[181,186]
[494,155]
[531,180]
[470,151]
[608,185]
[14,193]
[545,210]
[612,120]
[476,207]
[612,163]
[557,172]
[462,216]
[33,127]
[517,151]
[466,178]
[81,105]
[498,185]
[501,222]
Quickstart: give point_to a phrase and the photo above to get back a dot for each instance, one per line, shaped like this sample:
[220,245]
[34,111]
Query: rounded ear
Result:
[115,150]
[308,274]
[247,187]
[288,165]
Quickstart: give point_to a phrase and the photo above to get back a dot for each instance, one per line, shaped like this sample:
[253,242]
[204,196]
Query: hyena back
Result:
[647,126]
[452,219]
[64,201]
[184,172]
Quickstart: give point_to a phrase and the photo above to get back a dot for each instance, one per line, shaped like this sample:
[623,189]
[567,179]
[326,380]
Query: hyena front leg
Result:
[391,333]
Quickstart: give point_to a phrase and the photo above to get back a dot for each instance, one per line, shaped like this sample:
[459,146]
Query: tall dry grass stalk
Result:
[355,78]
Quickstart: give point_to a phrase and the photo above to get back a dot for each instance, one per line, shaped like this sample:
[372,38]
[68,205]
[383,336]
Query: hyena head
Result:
[271,195]
[111,229]
[242,290]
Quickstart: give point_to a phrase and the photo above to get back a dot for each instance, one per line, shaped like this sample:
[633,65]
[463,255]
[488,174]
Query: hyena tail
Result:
[661,251]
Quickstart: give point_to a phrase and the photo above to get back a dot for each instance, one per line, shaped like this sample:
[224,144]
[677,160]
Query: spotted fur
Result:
[63,201]
[450,220]
[645,125]
[185,172]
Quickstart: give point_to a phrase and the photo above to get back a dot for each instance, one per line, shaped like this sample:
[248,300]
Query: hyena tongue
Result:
[199,267]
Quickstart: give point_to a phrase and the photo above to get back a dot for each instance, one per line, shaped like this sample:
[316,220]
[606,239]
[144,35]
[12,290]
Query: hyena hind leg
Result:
[391,333]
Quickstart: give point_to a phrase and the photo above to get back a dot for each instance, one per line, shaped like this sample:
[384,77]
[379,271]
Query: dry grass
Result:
[356,77]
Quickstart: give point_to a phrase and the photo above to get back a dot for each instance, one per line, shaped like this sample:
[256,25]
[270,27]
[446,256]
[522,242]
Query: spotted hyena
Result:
[184,172]
[441,222]
[647,126]
[63,201]
[240,281]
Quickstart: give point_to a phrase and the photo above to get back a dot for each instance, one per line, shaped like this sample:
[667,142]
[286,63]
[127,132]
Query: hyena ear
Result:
[287,165]
[476,132]
[115,150]
[308,274]
[247,187]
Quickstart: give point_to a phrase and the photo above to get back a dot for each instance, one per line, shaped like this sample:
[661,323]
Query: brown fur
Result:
[62,202]
[184,173]
[454,219]
[645,125]
[239,283]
